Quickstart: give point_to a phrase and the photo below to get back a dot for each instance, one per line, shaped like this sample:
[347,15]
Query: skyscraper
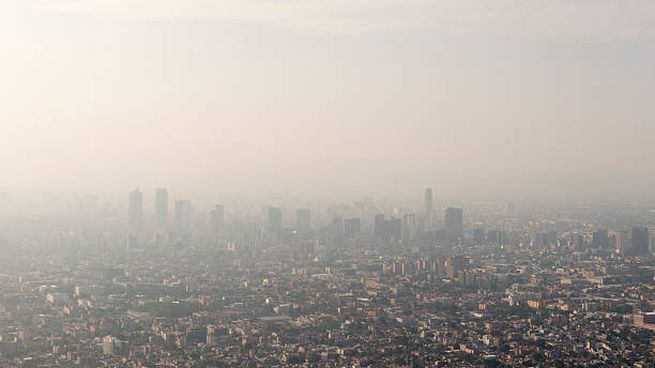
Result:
[429,209]
[303,219]
[217,218]
[135,208]
[337,226]
[380,229]
[577,241]
[600,239]
[182,214]
[161,207]
[640,240]
[352,226]
[395,229]
[618,240]
[274,219]
[429,205]
[479,236]
[409,226]
[387,230]
[454,222]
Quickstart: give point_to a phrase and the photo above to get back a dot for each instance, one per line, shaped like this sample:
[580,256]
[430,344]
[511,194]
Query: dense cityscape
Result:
[327,183]
[157,282]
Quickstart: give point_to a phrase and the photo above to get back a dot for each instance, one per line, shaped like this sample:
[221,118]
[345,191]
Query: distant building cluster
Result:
[360,284]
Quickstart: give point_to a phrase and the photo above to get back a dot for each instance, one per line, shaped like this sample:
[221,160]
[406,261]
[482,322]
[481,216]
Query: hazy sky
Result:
[478,99]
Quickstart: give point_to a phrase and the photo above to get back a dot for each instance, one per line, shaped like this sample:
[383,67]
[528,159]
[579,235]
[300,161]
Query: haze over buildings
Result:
[511,99]
[333,183]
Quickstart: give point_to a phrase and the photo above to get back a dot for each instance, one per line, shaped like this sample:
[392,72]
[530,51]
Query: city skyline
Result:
[327,183]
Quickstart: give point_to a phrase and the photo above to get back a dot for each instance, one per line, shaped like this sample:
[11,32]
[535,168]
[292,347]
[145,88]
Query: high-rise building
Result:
[395,229]
[454,222]
[380,229]
[387,230]
[409,226]
[303,220]
[429,209]
[352,226]
[577,241]
[275,219]
[496,237]
[135,208]
[640,240]
[183,213]
[217,218]
[619,241]
[337,226]
[161,207]
[479,236]
[600,239]
[429,202]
